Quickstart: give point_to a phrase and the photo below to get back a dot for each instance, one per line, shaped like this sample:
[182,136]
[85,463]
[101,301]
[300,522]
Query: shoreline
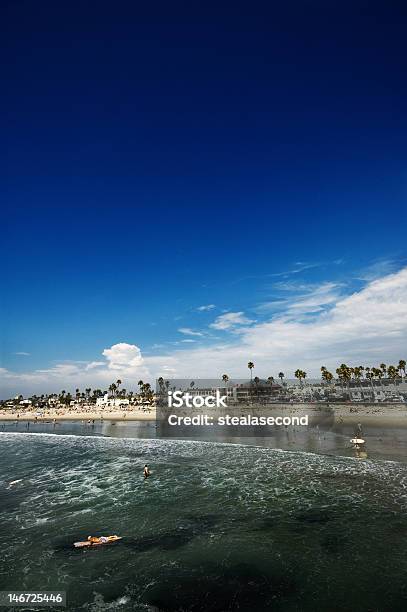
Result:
[341,414]
[79,416]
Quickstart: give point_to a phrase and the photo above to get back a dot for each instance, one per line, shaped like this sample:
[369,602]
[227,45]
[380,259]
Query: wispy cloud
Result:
[189,332]
[299,266]
[94,364]
[296,268]
[368,326]
[22,353]
[230,320]
[312,298]
[206,307]
[377,269]
[294,286]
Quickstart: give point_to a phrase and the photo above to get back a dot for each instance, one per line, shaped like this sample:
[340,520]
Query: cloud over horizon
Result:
[367,326]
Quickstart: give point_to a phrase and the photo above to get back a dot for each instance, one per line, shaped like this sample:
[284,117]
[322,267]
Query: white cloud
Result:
[122,361]
[230,320]
[367,327]
[313,299]
[206,307]
[123,356]
[377,269]
[299,266]
[94,364]
[189,332]
[22,353]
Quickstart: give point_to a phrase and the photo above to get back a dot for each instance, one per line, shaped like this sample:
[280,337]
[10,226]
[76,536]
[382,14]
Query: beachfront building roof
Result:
[375,395]
[261,390]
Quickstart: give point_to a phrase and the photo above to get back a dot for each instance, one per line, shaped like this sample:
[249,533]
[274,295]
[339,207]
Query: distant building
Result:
[262,392]
[111,402]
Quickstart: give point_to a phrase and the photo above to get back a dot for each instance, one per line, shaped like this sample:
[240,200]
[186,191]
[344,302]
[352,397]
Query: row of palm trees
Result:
[344,373]
[250,365]
[114,391]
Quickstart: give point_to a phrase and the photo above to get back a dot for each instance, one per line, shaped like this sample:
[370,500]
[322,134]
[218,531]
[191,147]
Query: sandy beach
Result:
[392,415]
[347,414]
[66,415]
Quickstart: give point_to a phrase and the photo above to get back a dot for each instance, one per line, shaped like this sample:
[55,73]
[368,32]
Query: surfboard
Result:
[110,540]
[357,441]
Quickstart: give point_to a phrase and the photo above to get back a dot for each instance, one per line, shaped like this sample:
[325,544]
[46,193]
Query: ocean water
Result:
[324,436]
[216,527]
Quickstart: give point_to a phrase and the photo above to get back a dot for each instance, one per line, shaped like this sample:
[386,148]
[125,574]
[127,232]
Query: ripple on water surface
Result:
[216,527]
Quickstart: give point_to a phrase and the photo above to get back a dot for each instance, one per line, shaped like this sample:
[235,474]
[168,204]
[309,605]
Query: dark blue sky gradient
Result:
[159,153]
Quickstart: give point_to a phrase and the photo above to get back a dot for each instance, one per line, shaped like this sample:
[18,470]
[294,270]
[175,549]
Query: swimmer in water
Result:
[146,471]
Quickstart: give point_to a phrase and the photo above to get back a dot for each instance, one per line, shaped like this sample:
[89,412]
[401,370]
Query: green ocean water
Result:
[216,527]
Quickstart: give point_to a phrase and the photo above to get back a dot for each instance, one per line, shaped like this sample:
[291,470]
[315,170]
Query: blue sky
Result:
[161,159]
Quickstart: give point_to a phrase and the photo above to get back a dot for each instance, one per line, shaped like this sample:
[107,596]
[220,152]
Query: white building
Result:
[111,402]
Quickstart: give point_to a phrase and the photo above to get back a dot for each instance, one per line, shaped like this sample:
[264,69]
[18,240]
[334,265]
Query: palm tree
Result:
[392,373]
[344,373]
[250,365]
[326,375]
[377,373]
[281,377]
[369,376]
[161,386]
[146,392]
[402,367]
[112,389]
[298,374]
[357,374]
